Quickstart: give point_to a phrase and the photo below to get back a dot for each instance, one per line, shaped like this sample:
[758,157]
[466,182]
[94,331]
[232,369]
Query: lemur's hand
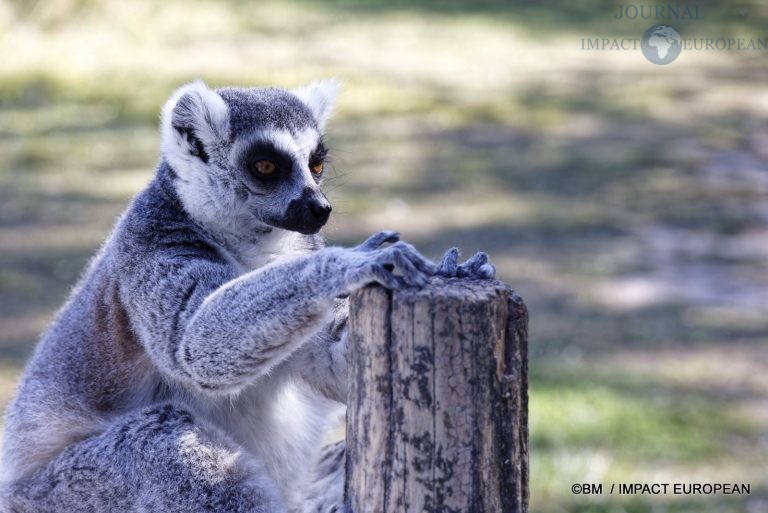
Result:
[479,266]
[395,266]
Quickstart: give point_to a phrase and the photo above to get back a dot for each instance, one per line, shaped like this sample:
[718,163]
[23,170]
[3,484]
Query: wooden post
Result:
[437,413]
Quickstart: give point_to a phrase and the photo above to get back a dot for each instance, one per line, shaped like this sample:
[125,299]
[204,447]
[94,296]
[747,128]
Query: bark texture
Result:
[437,415]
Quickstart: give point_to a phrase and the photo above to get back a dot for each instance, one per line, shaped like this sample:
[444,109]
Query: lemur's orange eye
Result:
[317,168]
[265,167]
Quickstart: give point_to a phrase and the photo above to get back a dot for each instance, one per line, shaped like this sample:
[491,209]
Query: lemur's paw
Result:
[395,266]
[479,266]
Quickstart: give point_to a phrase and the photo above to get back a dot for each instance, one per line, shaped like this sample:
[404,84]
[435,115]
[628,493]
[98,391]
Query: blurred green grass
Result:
[624,201]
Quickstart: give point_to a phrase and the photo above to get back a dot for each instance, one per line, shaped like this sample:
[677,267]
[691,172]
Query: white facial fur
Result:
[213,186]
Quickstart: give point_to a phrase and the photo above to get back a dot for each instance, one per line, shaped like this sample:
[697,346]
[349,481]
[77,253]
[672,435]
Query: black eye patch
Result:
[319,155]
[265,150]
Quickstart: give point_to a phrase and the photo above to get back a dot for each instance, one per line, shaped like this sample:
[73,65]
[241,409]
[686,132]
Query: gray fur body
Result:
[111,362]
[195,366]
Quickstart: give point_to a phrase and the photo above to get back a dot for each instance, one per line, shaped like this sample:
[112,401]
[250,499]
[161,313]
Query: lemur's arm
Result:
[220,338]
[322,363]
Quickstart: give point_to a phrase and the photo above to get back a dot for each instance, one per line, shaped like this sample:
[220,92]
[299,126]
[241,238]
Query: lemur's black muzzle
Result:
[308,213]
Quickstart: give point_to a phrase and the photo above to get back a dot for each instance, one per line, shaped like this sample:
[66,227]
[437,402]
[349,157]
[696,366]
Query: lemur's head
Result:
[250,159]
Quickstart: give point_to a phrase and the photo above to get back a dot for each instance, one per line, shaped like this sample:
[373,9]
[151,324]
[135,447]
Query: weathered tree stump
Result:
[437,414]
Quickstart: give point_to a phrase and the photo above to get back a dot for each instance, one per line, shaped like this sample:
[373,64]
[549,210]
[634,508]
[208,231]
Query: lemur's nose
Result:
[307,213]
[320,208]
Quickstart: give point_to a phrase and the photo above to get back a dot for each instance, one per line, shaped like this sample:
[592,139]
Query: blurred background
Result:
[625,201]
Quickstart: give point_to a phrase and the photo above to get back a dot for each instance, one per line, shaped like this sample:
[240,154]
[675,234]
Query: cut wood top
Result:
[455,288]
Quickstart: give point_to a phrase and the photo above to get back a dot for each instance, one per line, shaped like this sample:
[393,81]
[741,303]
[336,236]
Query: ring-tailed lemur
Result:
[192,367]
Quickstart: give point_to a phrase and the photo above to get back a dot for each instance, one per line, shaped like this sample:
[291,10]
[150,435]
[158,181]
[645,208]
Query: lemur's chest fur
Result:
[277,244]
[276,420]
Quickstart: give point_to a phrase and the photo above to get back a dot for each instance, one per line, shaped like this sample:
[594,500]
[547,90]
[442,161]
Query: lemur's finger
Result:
[478,259]
[373,273]
[386,278]
[487,271]
[411,274]
[376,240]
[449,263]
[470,267]
[421,262]
[398,256]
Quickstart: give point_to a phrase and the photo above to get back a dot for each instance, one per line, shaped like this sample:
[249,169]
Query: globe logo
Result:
[661,44]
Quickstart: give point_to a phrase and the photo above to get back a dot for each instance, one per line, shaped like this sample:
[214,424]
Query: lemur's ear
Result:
[320,97]
[194,120]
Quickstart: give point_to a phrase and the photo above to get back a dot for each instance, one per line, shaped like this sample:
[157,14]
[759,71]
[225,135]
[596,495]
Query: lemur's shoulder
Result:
[156,222]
